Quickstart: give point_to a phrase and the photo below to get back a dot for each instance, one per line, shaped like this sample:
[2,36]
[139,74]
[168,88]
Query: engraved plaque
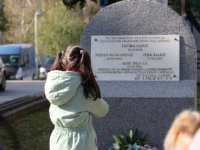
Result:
[136,58]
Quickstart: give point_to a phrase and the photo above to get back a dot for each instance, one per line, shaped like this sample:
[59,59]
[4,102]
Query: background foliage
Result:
[57,26]
[3,19]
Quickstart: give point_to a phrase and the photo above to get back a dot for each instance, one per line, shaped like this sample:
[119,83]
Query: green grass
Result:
[32,132]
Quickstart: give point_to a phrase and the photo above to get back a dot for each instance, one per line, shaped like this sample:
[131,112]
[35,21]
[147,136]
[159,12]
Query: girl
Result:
[74,95]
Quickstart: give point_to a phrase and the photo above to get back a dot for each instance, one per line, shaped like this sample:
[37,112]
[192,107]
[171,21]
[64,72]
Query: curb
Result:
[22,106]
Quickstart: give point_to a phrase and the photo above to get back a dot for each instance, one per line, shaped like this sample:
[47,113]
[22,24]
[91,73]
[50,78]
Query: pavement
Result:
[21,88]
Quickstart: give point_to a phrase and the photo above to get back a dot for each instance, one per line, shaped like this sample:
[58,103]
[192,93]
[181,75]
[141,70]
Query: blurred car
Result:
[19,60]
[46,67]
[2,76]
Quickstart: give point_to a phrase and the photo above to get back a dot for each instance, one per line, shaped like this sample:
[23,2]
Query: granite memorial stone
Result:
[141,102]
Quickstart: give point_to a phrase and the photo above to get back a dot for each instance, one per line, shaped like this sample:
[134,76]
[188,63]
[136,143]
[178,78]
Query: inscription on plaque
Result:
[136,58]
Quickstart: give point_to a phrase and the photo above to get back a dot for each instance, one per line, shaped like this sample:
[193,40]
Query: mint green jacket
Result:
[71,112]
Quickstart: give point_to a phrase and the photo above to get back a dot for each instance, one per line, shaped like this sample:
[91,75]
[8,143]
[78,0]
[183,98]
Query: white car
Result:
[46,67]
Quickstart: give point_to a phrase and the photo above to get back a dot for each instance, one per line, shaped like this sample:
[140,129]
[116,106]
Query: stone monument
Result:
[144,57]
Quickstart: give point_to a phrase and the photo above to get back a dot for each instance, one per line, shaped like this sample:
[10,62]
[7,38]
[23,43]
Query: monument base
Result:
[151,116]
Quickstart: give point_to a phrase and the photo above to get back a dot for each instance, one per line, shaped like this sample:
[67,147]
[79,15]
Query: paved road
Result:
[16,89]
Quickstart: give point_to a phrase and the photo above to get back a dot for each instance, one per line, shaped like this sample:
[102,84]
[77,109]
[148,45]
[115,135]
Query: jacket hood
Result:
[61,86]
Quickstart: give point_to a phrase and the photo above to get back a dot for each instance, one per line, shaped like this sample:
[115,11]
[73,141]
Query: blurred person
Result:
[196,141]
[180,135]
[75,96]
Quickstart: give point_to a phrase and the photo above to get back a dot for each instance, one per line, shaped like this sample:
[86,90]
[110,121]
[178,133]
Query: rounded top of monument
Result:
[141,17]
[135,17]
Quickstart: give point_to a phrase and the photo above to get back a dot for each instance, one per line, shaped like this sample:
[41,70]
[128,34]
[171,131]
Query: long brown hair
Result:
[77,59]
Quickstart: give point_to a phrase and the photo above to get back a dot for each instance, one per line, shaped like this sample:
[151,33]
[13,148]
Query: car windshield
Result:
[49,61]
[10,60]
